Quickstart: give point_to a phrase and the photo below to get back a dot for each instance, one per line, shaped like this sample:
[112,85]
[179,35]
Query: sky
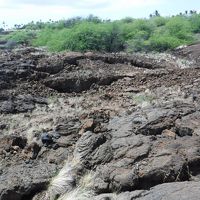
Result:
[24,11]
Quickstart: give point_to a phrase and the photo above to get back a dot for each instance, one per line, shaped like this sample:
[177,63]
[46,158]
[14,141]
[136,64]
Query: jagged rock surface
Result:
[132,119]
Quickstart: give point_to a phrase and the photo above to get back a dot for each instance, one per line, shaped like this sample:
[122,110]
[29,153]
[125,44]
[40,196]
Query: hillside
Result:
[156,33]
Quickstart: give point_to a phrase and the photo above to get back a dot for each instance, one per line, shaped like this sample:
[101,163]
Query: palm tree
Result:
[157,14]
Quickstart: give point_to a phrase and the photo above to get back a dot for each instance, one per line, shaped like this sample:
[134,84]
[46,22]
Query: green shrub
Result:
[140,25]
[195,23]
[21,37]
[53,39]
[179,27]
[82,37]
[139,42]
[163,42]
[159,21]
[87,36]
[93,34]
[164,34]
[43,37]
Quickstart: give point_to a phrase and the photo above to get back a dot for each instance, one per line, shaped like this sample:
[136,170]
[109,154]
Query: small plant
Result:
[141,98]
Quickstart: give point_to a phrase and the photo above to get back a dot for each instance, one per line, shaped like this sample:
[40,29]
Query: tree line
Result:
[156,33]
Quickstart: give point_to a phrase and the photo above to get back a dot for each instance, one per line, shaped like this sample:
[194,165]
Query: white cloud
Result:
[23,11]
[79,3]
[135,3]
[66,3]
[131,4]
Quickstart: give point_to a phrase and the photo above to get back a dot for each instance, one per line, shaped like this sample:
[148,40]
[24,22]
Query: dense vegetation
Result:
[81,34]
